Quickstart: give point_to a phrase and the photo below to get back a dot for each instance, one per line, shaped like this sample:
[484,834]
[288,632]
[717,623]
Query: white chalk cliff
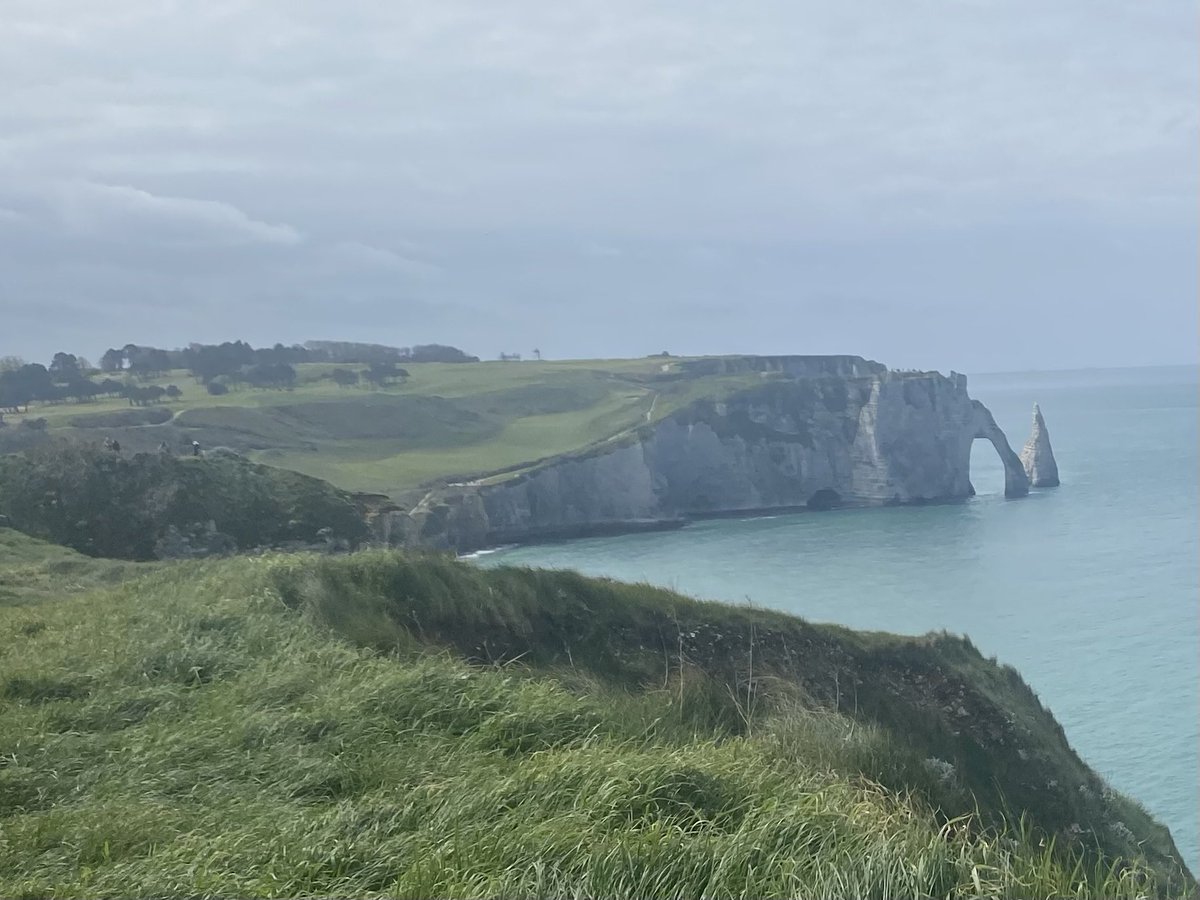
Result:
[864,436]
[1037,458]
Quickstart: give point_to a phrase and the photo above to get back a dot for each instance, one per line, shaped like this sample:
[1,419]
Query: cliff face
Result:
[793,441]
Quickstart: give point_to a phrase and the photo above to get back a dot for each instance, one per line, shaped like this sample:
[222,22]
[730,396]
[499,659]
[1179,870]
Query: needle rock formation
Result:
[1037,457]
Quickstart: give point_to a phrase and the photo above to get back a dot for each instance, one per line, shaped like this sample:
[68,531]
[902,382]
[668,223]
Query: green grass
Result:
[149,505]
[393,725]
[33,571]
[445,421]
[371,466]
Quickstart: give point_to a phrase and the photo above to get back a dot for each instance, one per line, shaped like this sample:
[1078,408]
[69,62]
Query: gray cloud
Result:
[490,175]
[105,212]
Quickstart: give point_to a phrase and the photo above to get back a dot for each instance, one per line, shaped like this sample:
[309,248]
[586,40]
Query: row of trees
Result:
[348,352]
[207,362]
[152,393]
[279,376]
[68,379]
[376,374]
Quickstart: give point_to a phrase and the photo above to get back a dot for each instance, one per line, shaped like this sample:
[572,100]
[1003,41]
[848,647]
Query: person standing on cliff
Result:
[195,448]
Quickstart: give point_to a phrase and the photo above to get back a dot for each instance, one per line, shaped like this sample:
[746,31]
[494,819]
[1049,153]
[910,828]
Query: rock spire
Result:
[1037,457]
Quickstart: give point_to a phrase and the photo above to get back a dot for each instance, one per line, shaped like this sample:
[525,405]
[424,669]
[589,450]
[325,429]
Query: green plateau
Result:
[444,421]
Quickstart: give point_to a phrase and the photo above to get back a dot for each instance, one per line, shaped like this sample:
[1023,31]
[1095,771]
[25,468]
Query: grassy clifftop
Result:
[411,726]
[445,421]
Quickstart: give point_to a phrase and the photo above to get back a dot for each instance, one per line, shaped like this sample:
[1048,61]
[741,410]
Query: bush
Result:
[217,389]
[107,505]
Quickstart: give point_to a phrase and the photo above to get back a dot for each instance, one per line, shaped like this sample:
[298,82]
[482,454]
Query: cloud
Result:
[693,114]
[356,253]
[120,212]
[285,154]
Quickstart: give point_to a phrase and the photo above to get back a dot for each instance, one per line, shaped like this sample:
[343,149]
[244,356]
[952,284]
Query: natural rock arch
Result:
[1016,482]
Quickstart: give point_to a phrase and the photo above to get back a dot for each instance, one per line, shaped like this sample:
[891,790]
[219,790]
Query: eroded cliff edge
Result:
[864,436]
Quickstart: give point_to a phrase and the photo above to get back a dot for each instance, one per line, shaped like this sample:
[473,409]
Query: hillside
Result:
[443,422]
[463,456]
[156,505]
[403,725]
[32,571]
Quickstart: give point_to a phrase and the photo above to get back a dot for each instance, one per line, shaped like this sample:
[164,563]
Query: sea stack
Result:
[1037,457]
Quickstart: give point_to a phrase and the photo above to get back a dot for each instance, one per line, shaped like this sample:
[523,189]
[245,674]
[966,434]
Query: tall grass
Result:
[191,734]
[32,571]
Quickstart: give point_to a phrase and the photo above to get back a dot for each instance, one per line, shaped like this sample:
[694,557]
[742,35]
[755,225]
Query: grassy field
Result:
[392,725]
[445,421]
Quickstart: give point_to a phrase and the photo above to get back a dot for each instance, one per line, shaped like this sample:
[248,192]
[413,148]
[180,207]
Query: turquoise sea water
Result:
[1089,589]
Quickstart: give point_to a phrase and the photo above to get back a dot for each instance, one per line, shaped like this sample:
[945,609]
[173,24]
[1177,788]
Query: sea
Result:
[1089,589]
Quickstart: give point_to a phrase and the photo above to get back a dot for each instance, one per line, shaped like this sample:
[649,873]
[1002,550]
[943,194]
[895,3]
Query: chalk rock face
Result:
[1037,458]
[837,431]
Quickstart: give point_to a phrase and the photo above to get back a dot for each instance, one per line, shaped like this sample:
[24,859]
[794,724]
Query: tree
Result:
[147,361]
[173,392]
[64,368]
[384,373]
[18,387]
[537,354]
[216,388]
[343,352]
[83,390]
[440,353]
[209,361]
[272,375]
[11,363]
[344,377]
[144,396]
[112,361]
[281,354]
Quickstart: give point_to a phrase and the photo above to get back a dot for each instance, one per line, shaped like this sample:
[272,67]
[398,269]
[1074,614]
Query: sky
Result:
[979,185]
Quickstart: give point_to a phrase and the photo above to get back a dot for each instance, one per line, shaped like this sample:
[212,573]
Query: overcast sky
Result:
[960,184]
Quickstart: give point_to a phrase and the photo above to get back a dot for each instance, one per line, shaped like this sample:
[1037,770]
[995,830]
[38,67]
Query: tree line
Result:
[209,361]
[68,379]
[377,373]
